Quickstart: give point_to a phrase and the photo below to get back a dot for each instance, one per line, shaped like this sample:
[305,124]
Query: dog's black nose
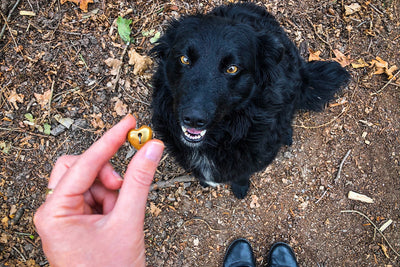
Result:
[195,119]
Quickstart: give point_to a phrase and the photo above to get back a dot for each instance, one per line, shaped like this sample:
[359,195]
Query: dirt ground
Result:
[53,70]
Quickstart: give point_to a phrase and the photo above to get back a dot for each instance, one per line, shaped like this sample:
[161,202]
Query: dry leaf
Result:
[114,64]
[83,4]
[154,209]
[341,58]
[390,71]
[13,98]
[384,249]
[43,99]
[97,122]
[254,202]
[314,55]
[3,238]
[351,9]
[120,108]
[4,221]
[382,66]
[141,63]
[359,64]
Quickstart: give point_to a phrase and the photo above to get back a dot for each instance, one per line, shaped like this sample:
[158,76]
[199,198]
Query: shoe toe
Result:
[239,254]
[281,254]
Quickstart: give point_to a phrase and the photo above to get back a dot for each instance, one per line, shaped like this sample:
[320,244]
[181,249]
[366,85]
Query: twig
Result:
[316,202]
[341,166]
[19,252]
[319,37]
[201,220]
[8,18]
[389,82]
[23,131]
[115,81]
[171,183]
[11,34]
[51,96]
[325,124]
[376,9]
[376,228]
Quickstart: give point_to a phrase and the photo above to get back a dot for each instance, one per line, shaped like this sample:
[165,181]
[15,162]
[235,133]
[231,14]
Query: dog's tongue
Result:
[193,131]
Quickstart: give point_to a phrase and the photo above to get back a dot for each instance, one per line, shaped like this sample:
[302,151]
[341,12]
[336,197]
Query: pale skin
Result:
[94,217]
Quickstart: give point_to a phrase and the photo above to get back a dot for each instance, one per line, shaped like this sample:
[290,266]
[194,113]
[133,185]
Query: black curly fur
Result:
[247,115]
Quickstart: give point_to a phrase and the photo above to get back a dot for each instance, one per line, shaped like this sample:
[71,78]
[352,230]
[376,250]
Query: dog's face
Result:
[211,68]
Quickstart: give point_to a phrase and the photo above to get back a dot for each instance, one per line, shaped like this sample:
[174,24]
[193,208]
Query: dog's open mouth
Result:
[193,135]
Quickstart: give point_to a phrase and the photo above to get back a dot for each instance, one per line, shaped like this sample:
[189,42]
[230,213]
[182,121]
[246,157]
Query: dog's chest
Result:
[205,166]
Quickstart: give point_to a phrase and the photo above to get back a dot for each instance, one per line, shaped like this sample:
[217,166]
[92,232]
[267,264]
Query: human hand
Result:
[86,221]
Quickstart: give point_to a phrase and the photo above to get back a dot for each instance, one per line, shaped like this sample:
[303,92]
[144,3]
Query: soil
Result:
[300,198]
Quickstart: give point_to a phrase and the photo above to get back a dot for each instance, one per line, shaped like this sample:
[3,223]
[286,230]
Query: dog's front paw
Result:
[240,191]
[203,184]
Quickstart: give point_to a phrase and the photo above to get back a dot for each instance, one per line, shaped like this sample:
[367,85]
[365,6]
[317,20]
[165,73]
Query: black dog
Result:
[226,89]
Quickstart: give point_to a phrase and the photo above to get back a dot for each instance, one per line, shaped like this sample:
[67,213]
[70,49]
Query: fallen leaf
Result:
[120,108]
[379,64]
[97,122]
[341,58]
[155,38]
[4,221]
[13,98]
[66,122]
[114,64]
[141,63]
[43,99]
[390,71]
[83,4]
[124,29]
[351,9]
[46,128]
[154,209]
[13,210]
[359,64]
[254,202]
[3,238]
[5,147]
[384,249]
[314,55]
[382,66]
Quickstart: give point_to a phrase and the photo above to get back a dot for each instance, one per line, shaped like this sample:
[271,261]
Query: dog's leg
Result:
[240,188]
[288,138]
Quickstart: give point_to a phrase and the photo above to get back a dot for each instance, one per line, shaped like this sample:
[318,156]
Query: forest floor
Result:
[53,71]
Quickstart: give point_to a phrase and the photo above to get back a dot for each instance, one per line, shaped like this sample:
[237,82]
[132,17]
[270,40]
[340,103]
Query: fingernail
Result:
[117,176]
[154,150]
[128,116]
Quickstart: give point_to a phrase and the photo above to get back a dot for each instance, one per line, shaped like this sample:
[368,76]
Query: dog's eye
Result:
[184,60]
[232,69]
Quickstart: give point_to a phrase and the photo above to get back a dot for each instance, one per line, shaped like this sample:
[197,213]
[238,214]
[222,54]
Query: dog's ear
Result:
[270,53]
[270,48]
[163,45]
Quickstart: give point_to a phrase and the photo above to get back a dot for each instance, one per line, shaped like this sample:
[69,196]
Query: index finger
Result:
[84,171]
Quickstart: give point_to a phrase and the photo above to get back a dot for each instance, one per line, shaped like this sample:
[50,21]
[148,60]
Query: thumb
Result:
[131,202]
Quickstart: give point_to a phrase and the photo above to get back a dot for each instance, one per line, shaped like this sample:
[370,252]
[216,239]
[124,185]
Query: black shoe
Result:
[282,255]
[239,254]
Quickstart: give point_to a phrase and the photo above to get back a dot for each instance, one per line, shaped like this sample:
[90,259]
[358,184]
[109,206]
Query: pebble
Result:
[59,129]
